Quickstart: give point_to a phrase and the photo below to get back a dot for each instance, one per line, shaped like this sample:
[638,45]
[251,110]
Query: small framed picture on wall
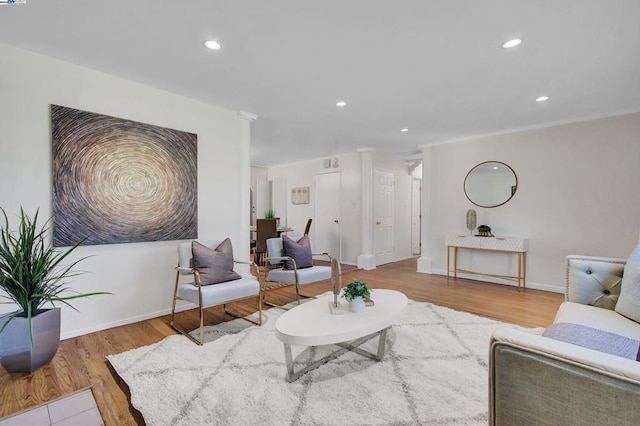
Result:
[300,195]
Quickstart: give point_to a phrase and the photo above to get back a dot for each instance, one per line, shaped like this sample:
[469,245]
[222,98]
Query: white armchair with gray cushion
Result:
[290,262]
[584,369]
[214,282]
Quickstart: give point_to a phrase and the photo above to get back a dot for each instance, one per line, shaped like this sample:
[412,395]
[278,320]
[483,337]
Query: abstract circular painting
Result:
[120,181]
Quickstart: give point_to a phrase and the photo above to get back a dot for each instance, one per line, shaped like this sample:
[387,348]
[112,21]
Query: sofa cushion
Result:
[602,319]
[629,300]
[592,338]
[299,250]
[214,265]
[220,293]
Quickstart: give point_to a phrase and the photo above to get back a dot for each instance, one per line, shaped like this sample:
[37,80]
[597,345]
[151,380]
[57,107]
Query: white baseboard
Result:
[130,320]
[531,285]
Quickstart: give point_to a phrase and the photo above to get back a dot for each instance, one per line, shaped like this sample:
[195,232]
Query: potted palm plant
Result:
[31,275]
[356,292]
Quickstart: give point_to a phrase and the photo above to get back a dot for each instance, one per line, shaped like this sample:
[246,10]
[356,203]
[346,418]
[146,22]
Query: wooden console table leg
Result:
[519,269]
[455,262]
[448,255]
[524,270]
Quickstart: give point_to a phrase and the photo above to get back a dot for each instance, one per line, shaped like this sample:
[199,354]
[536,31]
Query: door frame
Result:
[416,181]
[316,205]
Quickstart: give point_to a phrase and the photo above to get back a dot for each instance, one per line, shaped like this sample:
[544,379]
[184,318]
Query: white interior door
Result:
[383,214]
[325,228]
[279,188]
[415,215]
[264,198]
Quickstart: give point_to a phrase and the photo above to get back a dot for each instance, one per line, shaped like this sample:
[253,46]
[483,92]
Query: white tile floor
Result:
[79,409]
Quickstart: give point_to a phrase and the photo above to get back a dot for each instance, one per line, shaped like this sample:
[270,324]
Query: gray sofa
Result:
[536,380]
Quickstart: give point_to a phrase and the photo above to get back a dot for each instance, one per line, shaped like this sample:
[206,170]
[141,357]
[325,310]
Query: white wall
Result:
[140,275]
[577,194]
[303,173]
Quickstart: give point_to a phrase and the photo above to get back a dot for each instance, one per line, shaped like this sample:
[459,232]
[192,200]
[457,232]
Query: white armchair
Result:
[276,275]
[205,296]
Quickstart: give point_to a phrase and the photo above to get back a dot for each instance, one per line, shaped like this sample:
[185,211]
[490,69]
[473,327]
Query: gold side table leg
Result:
[455,262]
[524,270]
[519,269]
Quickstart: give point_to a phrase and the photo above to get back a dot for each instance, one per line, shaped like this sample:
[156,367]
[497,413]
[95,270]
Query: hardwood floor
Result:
[80,361]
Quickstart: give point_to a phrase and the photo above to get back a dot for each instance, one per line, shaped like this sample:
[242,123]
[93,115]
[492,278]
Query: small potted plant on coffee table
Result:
[356,292]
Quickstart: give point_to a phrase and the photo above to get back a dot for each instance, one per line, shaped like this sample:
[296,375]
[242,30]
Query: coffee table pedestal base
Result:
[353,346]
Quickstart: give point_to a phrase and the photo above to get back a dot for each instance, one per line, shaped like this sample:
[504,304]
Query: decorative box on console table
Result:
[514,245]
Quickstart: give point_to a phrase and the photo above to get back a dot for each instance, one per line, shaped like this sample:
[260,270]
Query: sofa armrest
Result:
[594,280]
[611,365]
[537,380]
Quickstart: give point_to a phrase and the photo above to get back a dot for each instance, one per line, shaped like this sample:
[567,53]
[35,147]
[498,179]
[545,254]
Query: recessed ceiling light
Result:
[495,167]
[542,98]
[212,44]
[341,104]
[404,129]
[511,43]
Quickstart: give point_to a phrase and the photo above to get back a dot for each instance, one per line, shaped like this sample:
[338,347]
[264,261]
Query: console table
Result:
[518,246]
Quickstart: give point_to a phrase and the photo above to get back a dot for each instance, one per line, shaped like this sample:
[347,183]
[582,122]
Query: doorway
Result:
[383,213]
[416,203]
[326,224]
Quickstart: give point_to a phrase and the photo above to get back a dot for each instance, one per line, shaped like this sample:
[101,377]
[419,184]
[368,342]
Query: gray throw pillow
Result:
[591,338]
[214,265]
[300,251]
[629,300]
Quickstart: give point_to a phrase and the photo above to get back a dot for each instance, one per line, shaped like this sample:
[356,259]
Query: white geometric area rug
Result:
[434,372]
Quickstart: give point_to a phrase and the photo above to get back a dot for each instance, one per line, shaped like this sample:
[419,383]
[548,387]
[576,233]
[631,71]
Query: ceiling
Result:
[434,67]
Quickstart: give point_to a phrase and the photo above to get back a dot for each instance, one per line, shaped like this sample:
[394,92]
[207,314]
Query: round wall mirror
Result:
[490,184]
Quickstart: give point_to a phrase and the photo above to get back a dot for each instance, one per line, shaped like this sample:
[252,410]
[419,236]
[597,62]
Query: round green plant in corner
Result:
[356,292]
[31,276]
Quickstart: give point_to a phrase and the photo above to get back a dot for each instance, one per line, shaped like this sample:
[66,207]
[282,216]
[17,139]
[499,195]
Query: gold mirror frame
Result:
[490,184]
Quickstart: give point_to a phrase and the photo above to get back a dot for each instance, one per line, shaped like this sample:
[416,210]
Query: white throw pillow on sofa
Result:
[629,300]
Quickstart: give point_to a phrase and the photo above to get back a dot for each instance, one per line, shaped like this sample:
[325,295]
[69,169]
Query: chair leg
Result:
[186,333]
[236,315]
[201,323]
[173,315]
[297,294]
[260,300]
[175,298]
[273,305]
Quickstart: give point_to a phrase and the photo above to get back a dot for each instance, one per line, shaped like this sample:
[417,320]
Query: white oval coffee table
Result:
[312,324]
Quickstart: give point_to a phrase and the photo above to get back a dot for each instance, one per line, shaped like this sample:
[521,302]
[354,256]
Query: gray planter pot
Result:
[17,355]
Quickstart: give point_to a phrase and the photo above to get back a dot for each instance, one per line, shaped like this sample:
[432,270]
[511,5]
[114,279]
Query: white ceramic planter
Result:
[357,305]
